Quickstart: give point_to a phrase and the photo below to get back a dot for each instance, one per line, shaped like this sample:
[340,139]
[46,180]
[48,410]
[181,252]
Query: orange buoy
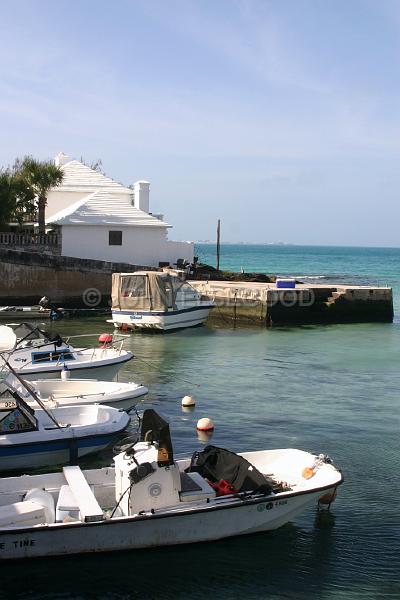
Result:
[205,424]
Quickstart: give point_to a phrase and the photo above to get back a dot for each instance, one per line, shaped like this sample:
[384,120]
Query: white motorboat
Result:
[31,438]
[38,355]
[149,499]
[38,438]
[58,392]
[156,300]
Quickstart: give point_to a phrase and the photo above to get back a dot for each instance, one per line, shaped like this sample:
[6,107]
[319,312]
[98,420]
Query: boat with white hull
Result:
[149,499]
[42,436]
[38,355]
[58,392]
[156,300]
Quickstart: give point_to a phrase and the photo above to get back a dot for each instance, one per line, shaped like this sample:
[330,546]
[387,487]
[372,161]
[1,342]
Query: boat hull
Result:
[53,452]
[163,321]
[87,391]
[104,372]
[164,529]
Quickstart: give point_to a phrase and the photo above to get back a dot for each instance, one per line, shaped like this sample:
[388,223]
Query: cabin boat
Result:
[39,355]
[156,300]
[150,499]
[70,392]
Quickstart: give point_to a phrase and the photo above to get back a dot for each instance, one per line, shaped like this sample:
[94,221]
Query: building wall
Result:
[57,201]
[140,245]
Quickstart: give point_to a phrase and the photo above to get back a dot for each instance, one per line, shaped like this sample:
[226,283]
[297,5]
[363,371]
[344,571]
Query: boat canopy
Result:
[145,290]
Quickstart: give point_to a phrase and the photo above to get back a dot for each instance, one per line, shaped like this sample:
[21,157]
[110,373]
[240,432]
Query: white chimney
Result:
[61,159]
[142,191]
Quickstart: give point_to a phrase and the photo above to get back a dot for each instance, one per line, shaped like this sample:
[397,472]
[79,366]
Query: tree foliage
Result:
[24,188]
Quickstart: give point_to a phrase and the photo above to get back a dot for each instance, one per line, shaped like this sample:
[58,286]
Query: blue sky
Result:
[281,118]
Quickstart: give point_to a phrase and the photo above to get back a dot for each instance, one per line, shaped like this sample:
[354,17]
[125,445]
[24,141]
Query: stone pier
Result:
[265,304]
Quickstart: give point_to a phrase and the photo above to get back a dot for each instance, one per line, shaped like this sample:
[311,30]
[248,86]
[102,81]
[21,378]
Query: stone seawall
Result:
[69,282]
[264,304]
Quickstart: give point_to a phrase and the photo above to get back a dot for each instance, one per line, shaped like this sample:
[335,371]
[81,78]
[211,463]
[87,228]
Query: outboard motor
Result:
[55,313]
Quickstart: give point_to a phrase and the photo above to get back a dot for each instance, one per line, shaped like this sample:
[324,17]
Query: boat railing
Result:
[116,343]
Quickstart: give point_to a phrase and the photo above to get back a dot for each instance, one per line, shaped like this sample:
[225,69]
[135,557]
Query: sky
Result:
[279,117]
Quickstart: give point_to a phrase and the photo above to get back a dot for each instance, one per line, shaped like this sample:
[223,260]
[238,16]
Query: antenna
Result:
[218,242]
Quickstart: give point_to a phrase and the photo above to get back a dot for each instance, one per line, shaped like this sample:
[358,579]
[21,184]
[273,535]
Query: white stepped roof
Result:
[104,207]
[80,177]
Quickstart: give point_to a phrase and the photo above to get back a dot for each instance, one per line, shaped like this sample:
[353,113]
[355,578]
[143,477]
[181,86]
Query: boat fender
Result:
[308,472]
[105,340]
[65,374]
[43,499]
[328,498]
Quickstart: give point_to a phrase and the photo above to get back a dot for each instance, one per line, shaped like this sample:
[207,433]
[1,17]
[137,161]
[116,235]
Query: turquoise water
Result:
[361,266]
[331,389]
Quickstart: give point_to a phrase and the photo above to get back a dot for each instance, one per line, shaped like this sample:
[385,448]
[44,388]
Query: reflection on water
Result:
[326,389]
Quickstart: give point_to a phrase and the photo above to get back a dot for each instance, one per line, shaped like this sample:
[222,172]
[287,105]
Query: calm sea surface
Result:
[332,389]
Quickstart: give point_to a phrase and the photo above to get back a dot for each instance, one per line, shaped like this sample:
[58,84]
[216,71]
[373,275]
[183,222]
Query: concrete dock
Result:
[267,305]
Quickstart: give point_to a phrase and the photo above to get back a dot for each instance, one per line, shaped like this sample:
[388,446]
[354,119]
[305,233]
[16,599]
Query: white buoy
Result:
[205,424]
[188,401]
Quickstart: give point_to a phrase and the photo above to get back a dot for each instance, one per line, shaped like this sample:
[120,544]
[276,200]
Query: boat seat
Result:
[22,514]
[195,487]
[89,508]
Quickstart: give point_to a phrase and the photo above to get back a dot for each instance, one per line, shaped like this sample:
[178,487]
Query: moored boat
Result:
[42,436]
[150,499]
[156,300]
[70,392]
[39,355]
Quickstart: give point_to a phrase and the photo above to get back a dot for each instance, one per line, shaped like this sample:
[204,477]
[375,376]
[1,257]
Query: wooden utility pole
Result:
[218,242]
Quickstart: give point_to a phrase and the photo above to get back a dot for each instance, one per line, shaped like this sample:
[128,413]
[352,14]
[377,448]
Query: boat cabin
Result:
[150,291]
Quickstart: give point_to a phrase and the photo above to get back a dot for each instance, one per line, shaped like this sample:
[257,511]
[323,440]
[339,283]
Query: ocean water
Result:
[360,266]
[331,389]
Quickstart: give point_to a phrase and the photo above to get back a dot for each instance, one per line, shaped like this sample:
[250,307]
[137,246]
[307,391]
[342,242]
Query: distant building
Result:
[101,219]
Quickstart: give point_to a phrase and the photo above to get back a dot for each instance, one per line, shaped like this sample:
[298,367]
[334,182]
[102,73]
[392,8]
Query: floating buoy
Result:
[188,401]
[105,340]
[308,472]
[205,424]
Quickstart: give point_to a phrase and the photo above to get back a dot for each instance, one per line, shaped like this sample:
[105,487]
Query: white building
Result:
[101,219]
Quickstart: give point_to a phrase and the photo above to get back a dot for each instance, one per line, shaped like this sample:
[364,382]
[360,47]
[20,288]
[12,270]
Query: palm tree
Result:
[39,177]
[16,199]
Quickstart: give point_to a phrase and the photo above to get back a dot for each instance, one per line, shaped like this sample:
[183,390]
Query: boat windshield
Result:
[15,415]
[28,335]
